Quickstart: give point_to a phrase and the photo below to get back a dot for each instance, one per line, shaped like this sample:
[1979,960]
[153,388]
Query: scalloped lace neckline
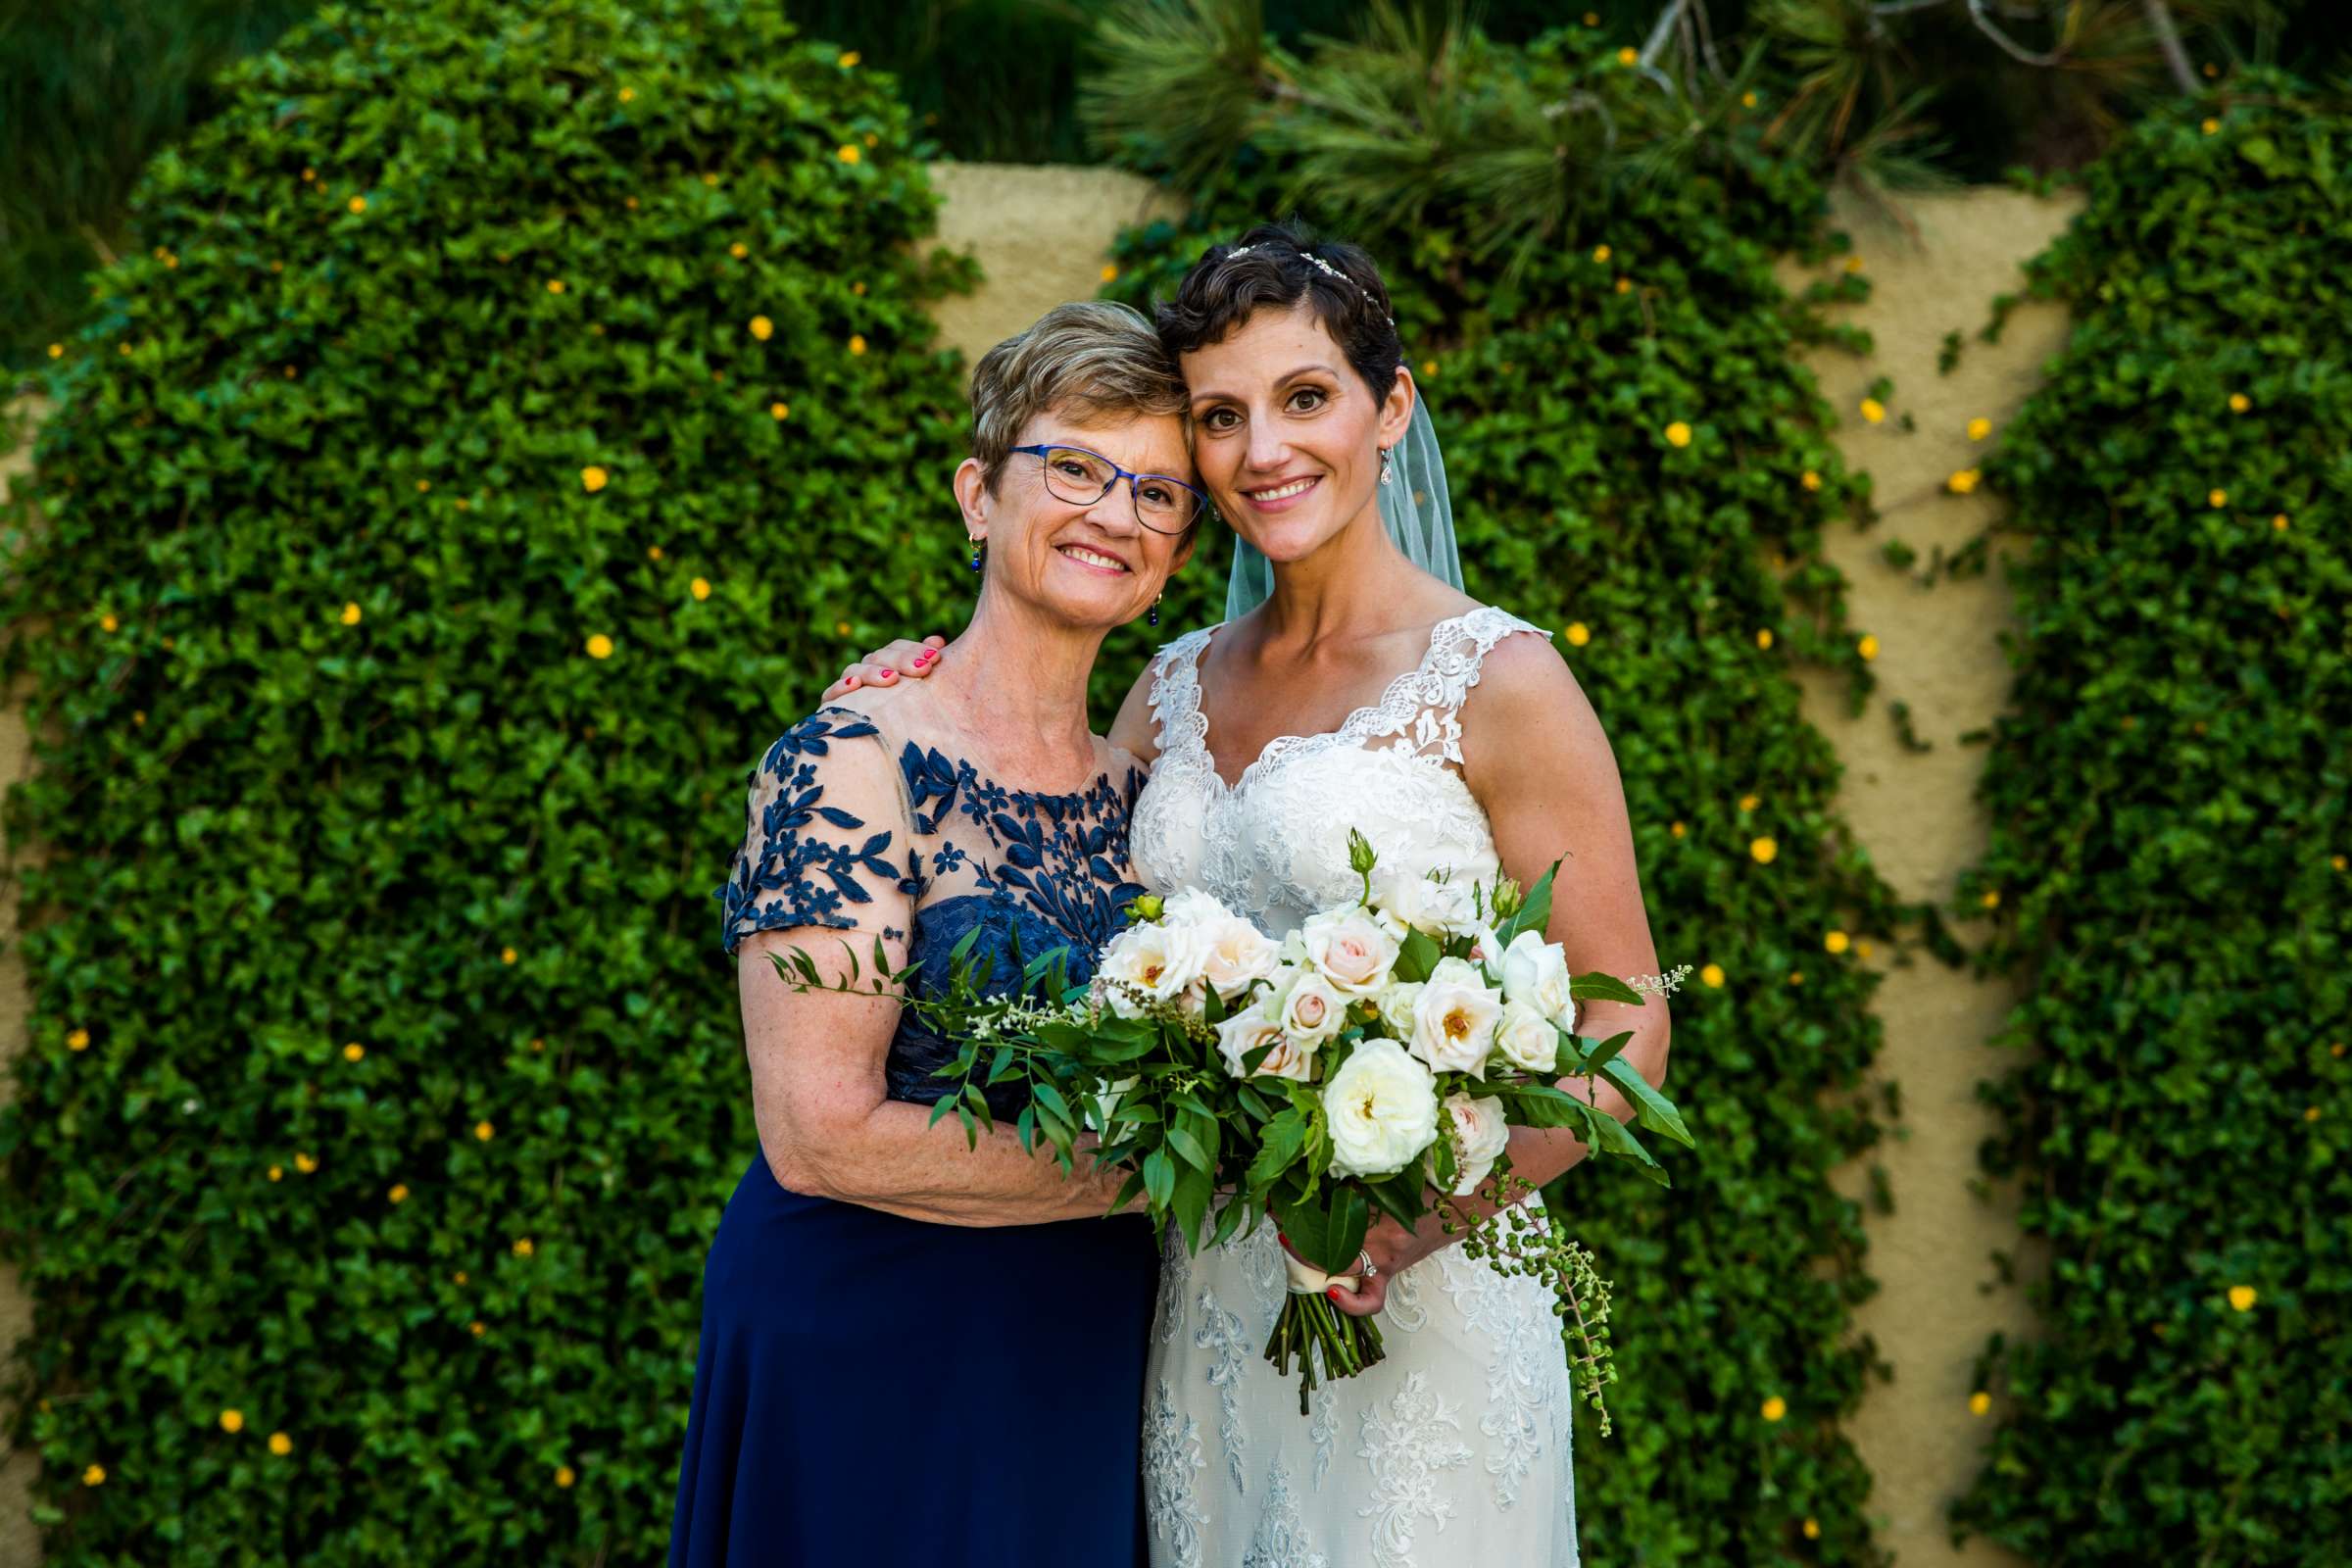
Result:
[1351,730]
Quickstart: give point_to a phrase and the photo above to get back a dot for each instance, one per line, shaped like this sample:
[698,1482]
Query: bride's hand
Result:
[884,665]
[1393,1249]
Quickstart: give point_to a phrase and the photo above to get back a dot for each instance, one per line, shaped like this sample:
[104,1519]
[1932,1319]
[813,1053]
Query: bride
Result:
[1355,685]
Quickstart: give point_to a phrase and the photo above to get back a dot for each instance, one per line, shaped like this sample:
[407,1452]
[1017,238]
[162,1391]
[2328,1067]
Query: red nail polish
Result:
[852,681]
[889,674]
[1332,1293]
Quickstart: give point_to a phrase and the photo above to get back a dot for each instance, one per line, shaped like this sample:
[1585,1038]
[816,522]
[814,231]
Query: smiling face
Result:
[1086,565]
[1287,434]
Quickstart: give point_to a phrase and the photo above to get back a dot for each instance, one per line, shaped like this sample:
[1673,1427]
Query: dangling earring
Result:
[1154,617]
[979,551]
[1387,470]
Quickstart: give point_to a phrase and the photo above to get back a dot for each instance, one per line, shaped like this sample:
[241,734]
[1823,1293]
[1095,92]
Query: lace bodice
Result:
[851,828]
[1274,844]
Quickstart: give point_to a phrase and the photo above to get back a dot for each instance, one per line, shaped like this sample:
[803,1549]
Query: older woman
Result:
[914,1351]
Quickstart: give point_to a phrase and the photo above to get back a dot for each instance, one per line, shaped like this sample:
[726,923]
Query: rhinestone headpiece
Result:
[1318,260]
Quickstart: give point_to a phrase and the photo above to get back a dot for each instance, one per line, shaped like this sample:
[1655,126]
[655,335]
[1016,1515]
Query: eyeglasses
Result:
[1162,503]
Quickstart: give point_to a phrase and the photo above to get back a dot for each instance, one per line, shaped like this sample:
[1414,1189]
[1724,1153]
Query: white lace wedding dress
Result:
[1455,1449]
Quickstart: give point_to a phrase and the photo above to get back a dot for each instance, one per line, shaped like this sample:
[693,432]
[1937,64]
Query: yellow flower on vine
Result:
[1775,1408]
[1810,480]
[78,1040]
[1678,434]
[594,479]
[1764,849]
[94,1475]
[1962,482]
[599,646]
[762,328]
[848,61]
[2242,1297]
[700,588]
[1578,634]
[280,1445]
[1763,636]
[1873,409]
[2217,498]
[564,1475]
[1868,647]
[354,1051]
[1979,1402]
[1711,977]
[232,1420]
[849,153]
[1835,942]
[2239,403]
[1979,429]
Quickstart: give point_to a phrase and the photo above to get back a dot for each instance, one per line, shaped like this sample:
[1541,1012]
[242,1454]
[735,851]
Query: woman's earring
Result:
[1388,469]
[979,551]
[1155,615]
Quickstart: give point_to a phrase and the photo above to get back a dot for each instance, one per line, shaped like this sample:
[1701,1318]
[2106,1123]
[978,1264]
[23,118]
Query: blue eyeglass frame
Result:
[1117,474]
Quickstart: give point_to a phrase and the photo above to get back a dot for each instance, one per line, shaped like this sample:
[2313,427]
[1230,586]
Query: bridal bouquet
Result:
[1373,1060]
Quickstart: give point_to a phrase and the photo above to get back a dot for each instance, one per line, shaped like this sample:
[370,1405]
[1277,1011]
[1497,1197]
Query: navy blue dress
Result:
[875,1390]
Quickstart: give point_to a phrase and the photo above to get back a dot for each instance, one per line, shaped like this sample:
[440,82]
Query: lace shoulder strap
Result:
[1177,722]
[1431,725]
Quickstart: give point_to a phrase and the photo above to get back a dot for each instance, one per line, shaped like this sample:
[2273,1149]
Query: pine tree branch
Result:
[2168,40]
[2009,46]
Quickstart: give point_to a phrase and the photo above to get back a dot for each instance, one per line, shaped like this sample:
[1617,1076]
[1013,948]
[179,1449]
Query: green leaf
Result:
[1417,956]
[1159,1179]
[1599,987]
[1653,1110]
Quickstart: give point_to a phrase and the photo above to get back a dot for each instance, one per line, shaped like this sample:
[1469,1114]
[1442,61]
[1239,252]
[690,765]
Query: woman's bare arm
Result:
[829,1130]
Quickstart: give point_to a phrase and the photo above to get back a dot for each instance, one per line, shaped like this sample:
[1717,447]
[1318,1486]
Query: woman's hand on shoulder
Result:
[886,666]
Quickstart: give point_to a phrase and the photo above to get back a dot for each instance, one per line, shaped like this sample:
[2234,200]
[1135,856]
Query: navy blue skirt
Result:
[872,1389]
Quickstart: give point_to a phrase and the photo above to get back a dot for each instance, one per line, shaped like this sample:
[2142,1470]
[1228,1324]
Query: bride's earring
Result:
[1154,617]
[979,553]
[1388,469]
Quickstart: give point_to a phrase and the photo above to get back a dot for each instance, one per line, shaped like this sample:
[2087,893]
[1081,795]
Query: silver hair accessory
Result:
[1312,257]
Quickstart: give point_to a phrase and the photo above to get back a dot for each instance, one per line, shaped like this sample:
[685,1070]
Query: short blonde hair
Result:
[1093,358]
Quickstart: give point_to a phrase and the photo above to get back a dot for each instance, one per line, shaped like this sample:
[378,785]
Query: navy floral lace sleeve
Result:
[809,861]
[946,852]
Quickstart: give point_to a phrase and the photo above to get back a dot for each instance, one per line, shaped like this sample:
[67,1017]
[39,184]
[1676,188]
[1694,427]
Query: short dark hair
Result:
[1224,289]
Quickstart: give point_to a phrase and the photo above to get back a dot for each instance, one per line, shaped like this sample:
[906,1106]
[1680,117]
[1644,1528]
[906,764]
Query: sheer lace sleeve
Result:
[825,835]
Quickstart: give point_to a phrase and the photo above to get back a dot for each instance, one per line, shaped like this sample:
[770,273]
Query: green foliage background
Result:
[1553,395]
[445,833]
[2169,798]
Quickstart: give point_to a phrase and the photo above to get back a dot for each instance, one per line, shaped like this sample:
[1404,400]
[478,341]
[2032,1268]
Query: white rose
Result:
[1161,961]
[1536,971]
[1194,907]
[1311,1013]
[1382,1107]
[1236,955]
[1351,949]
[1397,1003]
[1253,1027]
[1527,1039]
[1438,907]
[1481,1133]
[1454,1018]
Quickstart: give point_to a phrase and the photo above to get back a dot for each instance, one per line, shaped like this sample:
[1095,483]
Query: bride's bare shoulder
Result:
[1524,685]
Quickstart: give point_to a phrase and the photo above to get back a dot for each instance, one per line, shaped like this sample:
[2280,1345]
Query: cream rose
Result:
[1236,955]
[1536,971]
[1397,1003]
[1253,1027]
[1527,1039]
[1454,1018]
[1480,1134]
[1437,908]
[1311,1013]
[1382,1107]
[1160,961]
[1351,950]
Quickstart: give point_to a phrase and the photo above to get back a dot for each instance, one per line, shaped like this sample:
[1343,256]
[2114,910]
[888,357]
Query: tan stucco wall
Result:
[19,1545]
[1916,814]
[1043,235]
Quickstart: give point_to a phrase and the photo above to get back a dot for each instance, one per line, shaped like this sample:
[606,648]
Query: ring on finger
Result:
[1369,1268]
